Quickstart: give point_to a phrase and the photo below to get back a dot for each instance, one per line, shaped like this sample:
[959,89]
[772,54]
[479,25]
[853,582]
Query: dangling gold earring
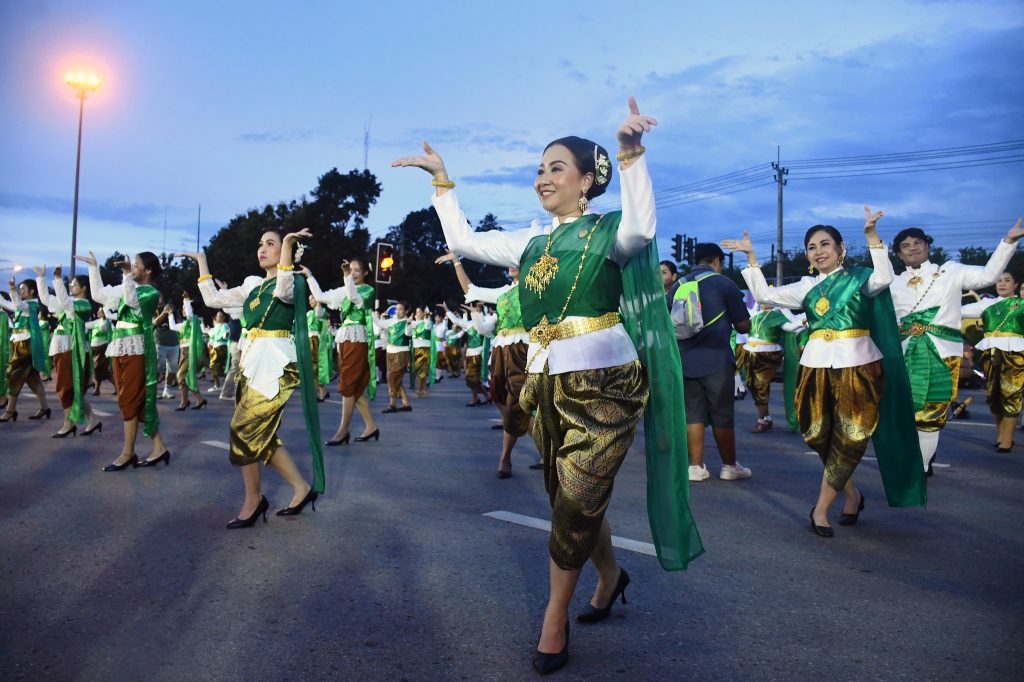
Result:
[810,269]
[583,203]
[842,257]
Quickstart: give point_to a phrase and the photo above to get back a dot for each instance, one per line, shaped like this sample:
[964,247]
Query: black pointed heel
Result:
[851,519]
[339,441]
[165,458]
[822,531]
[73,431]
[98,427]
[261,508]
[41,413]
[309,499]
[375,435]
[183,407]
[133,462]
[9,417]
[549,663]
[201,405]
[592,614]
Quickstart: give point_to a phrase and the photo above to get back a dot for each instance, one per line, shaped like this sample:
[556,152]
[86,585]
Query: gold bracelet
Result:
[286,268]
[203,278]
[630,153]
[879,245]
[444,184]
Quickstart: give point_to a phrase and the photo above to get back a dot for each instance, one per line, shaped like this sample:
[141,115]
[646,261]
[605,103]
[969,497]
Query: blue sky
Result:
[236,104]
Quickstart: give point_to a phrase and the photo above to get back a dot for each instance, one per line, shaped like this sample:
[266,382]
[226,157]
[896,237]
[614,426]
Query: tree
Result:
[488,223]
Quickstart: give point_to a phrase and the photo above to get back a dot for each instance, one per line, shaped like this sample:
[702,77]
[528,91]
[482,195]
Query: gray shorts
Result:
[166,356]
[709,399]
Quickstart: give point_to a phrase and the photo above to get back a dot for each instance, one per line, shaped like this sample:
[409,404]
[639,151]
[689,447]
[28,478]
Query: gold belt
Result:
[511,331]
[126,325]
[1004,334]
[269,334]
[918,329]
[21,331]
[754,343]
[545,332]
[833,334]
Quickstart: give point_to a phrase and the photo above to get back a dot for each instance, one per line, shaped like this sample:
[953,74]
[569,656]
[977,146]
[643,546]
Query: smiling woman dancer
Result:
[28,354]
[133,351]
[585,379]
[276,356]
[853,384]
[69,349]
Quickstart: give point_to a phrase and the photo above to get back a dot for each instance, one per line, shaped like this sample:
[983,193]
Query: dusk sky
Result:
[233,105]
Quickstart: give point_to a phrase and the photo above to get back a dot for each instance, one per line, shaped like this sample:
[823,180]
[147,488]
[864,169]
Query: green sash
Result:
[5,350]
[930,378]
[485,360]
[149,299]
[895,439]
[194,332]
[645,317]
[39,344]
[306,382]
[79,354]
[510,314]
[790,376]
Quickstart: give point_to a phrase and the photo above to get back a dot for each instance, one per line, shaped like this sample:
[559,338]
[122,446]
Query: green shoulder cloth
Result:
[149,298]
[79,356]
[645,317]
[790,376]
[307,382]
[39,344]
[195,350]
[5,350]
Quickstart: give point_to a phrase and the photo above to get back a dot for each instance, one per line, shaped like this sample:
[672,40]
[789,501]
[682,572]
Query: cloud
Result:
[277,138]
[481,136]
[134,214]
[521,176]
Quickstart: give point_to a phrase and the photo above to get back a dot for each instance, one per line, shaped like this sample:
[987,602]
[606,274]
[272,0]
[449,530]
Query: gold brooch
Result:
[915,281]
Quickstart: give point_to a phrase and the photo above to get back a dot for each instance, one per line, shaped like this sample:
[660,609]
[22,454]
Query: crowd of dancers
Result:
[576,350]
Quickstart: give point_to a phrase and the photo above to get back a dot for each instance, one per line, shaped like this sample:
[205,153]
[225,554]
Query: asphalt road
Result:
[399,575]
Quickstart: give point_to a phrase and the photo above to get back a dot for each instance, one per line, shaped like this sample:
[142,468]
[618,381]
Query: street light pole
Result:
[82,83]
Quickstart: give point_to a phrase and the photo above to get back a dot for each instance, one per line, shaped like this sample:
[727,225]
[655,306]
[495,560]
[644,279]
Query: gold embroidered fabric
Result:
[933,416]
[473,372]
[19,368]
[761,369]
[257,418]
[421,362]
[1004,382]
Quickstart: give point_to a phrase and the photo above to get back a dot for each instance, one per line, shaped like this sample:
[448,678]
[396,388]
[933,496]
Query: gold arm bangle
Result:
[630,153]
[286,268]
[443,184]
[203,278]
[879,245]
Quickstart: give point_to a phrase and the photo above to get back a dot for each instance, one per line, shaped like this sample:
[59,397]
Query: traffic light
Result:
[690,248]
[677,248]
[385,262]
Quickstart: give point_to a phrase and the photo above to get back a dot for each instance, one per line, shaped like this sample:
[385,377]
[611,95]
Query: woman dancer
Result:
[133,350]
[319,344]
[69,349]
[276,355]
[761,358]
[1002,354]
[397,330]
[424,350]
[28,353]
[473,356]
[585,379]
[508,356]
[853,383]
[218,350]
[190,343]
[100,332]
[357,371]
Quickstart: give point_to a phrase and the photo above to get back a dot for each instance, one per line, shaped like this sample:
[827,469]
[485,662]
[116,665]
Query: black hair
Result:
[832,232]
[151,263]
[30,284]
[83,281]
[584,153]
[671,266]
[911,233]
[365,264]
[706,252]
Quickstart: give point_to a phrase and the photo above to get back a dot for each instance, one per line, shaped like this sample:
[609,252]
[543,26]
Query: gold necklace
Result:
[544,268]
[822,306]
[256,301]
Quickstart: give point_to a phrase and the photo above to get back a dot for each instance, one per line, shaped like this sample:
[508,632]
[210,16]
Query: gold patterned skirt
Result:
[353,368]
[219,360]
[257,418]
[453,356]
[761,368]
[398,366]
[1004,381]
[473,372]
[421,362]
[508,374]
[837,409]
[584,426]
[20,369]
[182,374]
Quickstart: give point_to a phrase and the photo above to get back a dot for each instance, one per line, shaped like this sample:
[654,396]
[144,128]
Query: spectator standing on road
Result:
[276,361]
[853,384]
[669,273]
[709,366]
[133,350]
[588,299]
[166,331]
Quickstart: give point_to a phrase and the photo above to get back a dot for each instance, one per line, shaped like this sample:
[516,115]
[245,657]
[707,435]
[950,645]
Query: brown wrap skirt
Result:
[20,369]
[354,368]
[508,374]
[130,380]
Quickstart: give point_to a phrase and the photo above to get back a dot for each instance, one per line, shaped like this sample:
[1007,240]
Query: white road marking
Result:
[542,524]
[959,423]
[217,444]
[101,413]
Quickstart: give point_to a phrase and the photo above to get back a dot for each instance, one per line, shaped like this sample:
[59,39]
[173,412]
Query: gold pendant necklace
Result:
[543,269]
[256,301]
[822,306]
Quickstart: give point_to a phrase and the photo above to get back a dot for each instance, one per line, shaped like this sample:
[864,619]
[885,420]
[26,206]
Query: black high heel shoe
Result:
[9,417]
[592,614]
[549,663]
[823,531]
[98,427]
[309,499]
[201,405]
[375,435]
[133,462]
[73,431]
[41,413]
[261,508]
[851,519]
[165,458]
[339,441]
[183,407]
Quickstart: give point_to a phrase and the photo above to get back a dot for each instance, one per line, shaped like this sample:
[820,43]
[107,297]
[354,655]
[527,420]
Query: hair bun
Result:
[589,157]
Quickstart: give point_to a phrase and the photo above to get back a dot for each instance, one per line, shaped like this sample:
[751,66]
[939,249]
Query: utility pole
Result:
[199,219]
[780,180]
[165,230]
[366,144]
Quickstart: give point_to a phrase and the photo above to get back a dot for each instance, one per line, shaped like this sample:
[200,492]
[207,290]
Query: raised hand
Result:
[346,268]
[221,284]
[447,258]
[194,255]
[742,245]
[632,129]
[57,272]
[1015,233]
[90,259]
[292,237]
[430,161]
[871,221]
[40,270]
[125,265]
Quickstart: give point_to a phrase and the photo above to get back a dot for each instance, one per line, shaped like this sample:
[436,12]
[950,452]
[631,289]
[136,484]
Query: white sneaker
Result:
[733,472]
[699,473]
[213,389]
[166,396]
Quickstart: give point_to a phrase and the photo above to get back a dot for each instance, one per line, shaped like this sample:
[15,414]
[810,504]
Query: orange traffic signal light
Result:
[385,262]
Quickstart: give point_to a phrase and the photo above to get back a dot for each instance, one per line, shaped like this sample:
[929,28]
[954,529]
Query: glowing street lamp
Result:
[82,82]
